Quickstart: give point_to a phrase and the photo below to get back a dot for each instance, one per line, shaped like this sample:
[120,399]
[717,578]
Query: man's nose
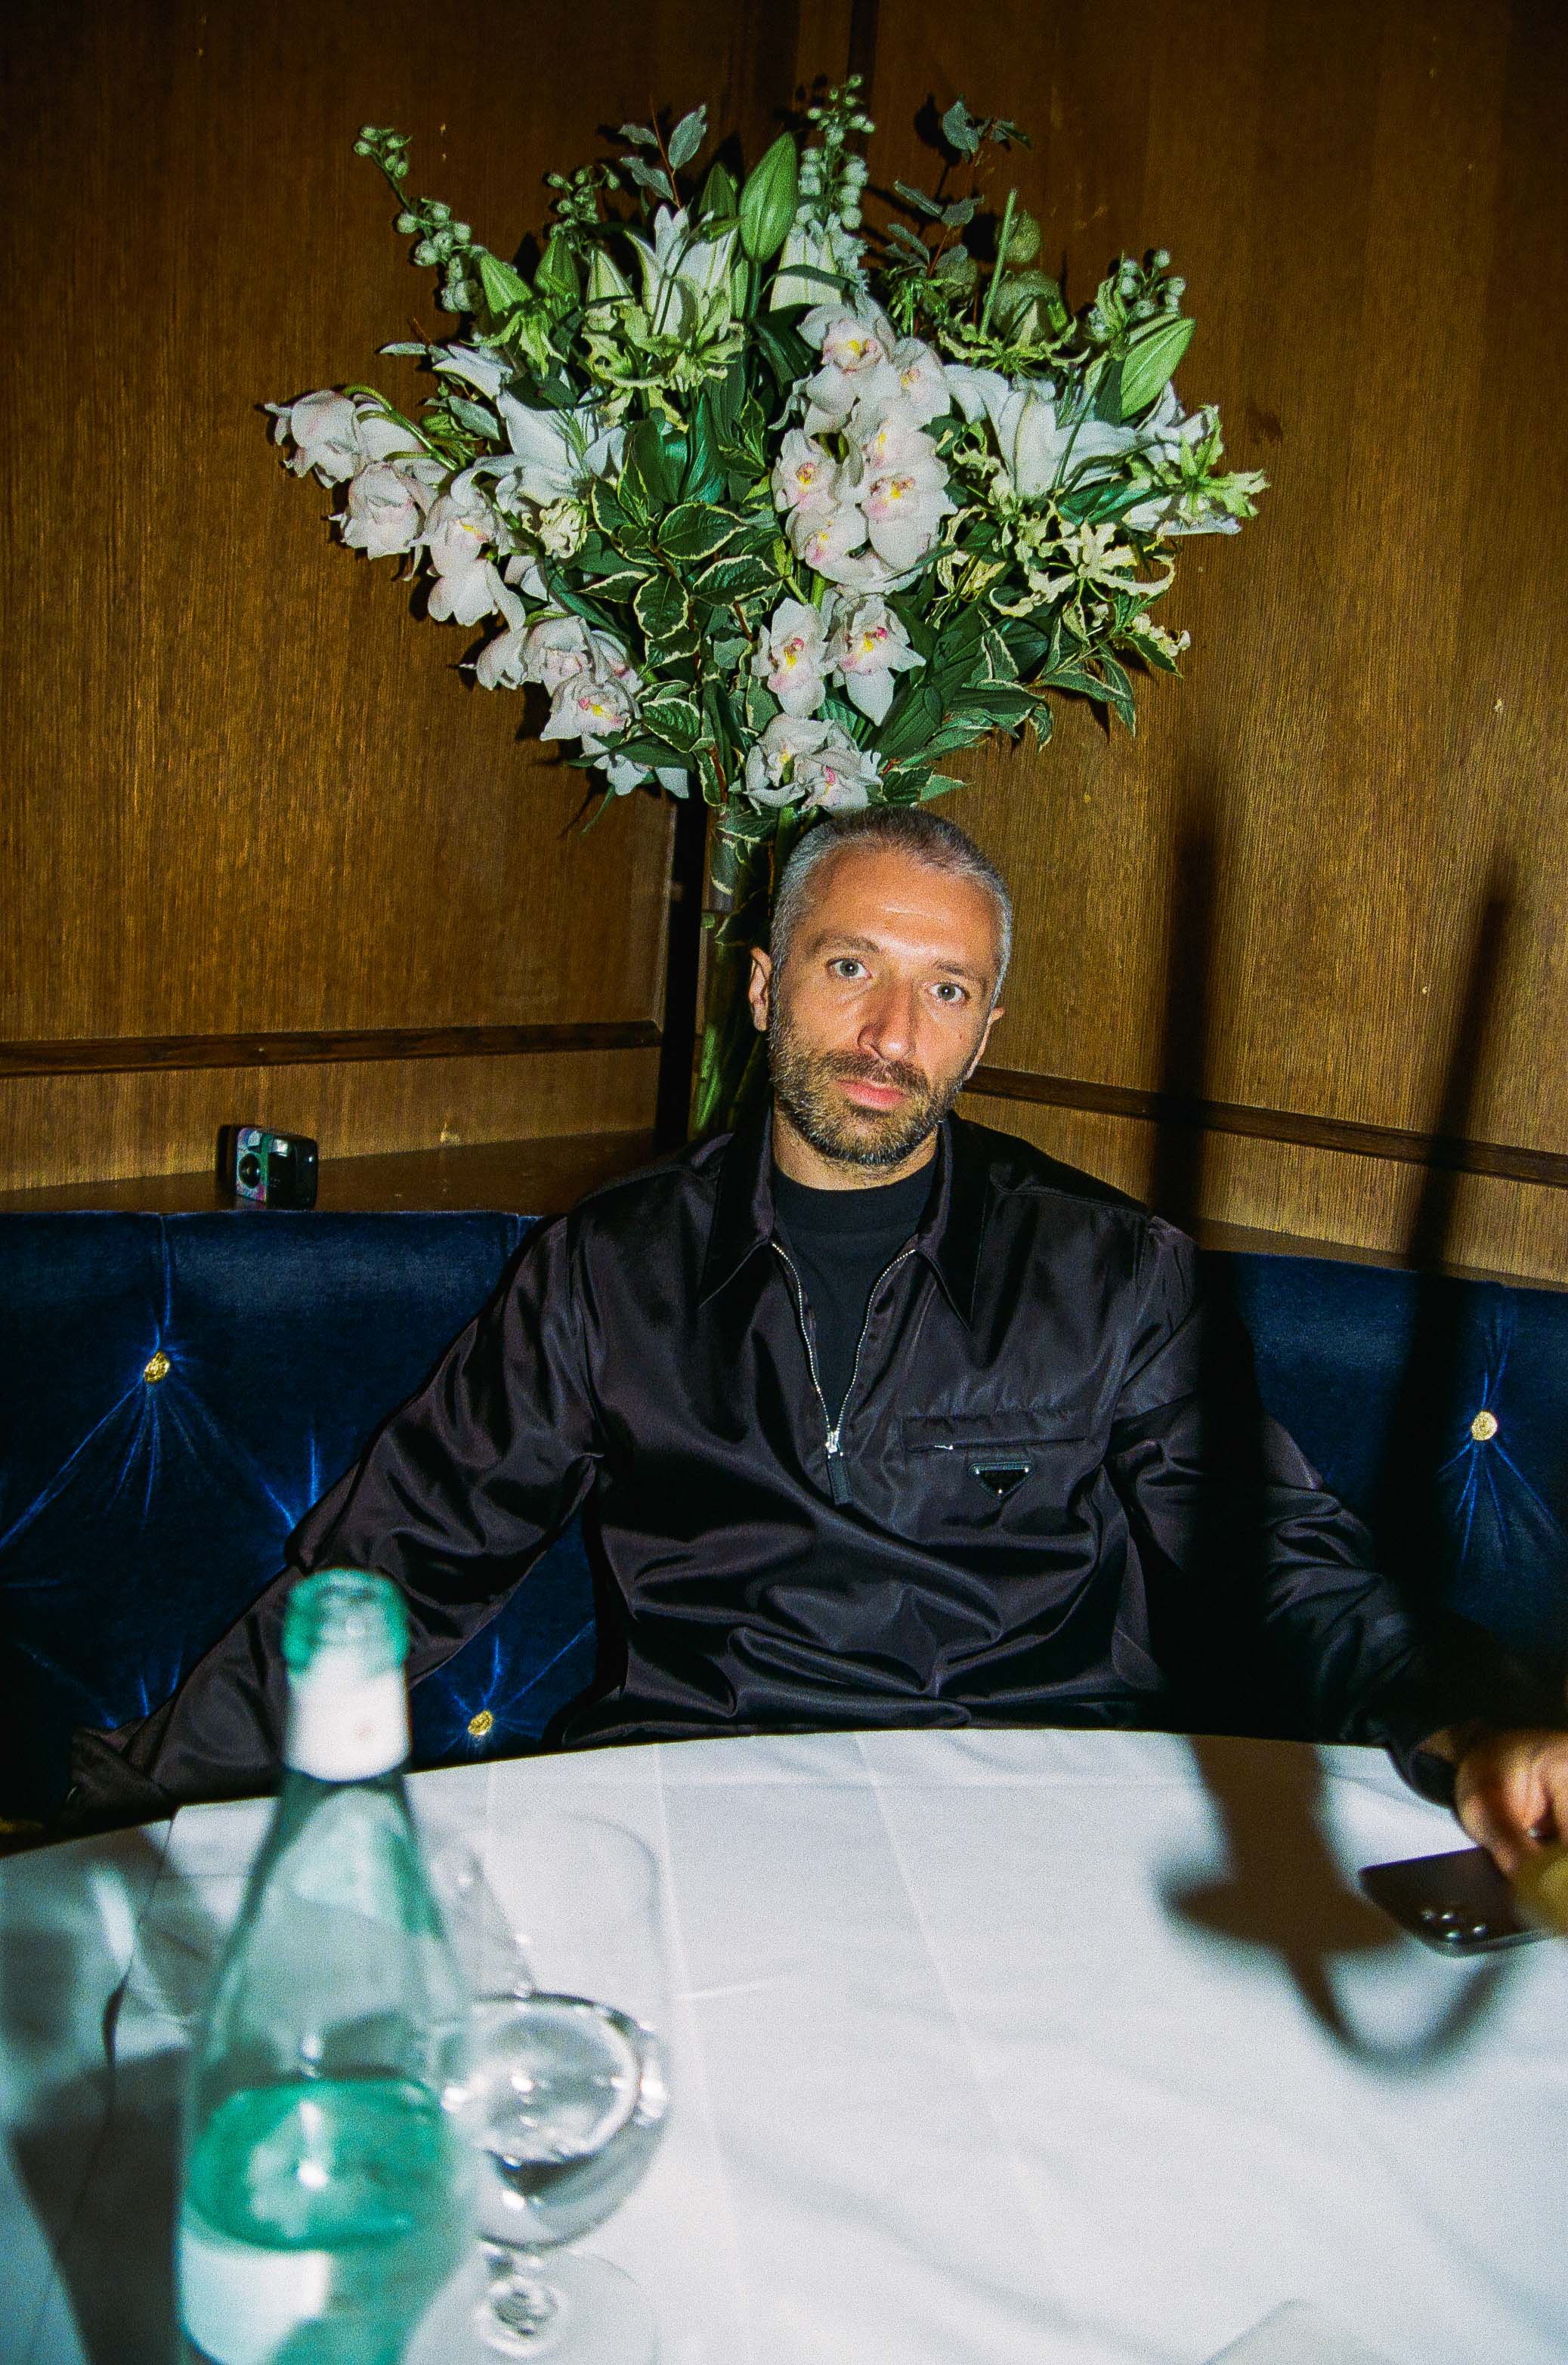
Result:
[889,1026]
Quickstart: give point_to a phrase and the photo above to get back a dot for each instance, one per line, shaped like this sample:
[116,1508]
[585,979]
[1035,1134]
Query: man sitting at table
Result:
[880,1417]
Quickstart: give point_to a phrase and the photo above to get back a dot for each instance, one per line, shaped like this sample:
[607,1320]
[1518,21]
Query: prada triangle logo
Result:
[1001,1477]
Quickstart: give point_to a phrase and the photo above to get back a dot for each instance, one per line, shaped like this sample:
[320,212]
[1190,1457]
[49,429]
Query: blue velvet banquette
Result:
[176,1390]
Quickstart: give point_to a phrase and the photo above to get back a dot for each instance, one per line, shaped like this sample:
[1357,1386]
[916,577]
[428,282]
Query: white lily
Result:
[554,452]
[685,275]
[810,249]
[482,371]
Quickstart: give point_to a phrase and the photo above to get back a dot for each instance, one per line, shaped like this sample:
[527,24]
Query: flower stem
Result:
[1000,264]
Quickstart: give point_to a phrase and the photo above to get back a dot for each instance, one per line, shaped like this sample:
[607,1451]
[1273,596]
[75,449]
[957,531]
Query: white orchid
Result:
[789,740]
[854,344]
[868,646]
[458,537]
[790,656]
[384,512]
[823,533]
[324,430]
[838,777]
[685,276]
[803,472]
[905,504]
[590,707]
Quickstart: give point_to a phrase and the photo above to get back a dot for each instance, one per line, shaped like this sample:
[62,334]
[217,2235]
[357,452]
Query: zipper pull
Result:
[837,1476]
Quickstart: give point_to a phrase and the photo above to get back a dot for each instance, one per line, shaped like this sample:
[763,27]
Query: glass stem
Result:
[520,2302]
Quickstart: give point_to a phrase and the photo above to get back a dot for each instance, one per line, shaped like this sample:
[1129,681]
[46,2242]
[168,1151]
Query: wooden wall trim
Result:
[129,1055]
[1455,1154]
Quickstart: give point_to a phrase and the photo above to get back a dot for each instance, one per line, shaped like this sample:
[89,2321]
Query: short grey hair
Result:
[925,837]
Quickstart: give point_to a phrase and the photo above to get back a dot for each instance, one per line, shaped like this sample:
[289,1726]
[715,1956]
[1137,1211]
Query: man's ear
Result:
[759,986]
[979,1048]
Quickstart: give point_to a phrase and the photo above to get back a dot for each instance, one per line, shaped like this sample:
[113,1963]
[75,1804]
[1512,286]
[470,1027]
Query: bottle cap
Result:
[345,1637]
[345,1609]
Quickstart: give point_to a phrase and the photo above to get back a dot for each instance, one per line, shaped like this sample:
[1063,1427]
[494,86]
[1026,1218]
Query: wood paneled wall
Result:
[1326,881]
[246,792]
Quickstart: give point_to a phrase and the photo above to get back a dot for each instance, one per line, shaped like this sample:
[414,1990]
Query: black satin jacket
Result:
[1051,1497]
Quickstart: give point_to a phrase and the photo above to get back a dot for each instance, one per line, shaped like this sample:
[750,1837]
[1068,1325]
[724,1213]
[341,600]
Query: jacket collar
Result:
[949,1234]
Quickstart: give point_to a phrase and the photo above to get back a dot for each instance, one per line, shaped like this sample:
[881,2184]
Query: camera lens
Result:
[248,1170]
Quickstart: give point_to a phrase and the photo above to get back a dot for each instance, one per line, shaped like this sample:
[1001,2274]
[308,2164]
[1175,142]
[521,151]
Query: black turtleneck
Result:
[841,1243]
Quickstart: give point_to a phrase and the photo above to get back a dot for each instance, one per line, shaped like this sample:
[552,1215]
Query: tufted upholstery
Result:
[175,1391]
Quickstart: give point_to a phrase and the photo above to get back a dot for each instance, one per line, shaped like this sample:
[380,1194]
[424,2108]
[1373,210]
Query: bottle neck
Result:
[342,1724]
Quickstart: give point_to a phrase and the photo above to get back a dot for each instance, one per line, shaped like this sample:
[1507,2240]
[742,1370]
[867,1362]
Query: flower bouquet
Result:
[773,509]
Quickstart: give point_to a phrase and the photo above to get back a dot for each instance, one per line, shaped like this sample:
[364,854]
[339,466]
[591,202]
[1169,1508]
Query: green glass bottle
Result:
[325,2194]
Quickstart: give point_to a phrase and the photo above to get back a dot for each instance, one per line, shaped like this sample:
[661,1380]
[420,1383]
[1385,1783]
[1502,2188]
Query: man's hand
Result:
[1510,1792]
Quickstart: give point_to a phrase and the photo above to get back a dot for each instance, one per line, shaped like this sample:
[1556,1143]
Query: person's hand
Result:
[1511,1791]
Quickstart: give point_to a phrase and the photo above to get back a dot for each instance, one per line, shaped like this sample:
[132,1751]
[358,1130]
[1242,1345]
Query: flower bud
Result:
[440,213]
[425,254]
[1161,259]
[407,225]
[368,131]
[399,168]
[607,282]
[462,233]
[1023,241]
[768,200]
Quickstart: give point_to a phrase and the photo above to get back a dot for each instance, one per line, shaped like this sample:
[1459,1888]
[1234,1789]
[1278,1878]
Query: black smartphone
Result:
[1457,1903]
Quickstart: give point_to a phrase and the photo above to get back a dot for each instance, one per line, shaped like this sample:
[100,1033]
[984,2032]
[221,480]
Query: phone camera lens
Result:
[250,1169]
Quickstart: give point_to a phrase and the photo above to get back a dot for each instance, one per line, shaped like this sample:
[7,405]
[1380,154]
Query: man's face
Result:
[882,1009]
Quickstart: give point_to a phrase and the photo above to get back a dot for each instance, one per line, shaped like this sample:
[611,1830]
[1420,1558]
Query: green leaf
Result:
[1150,361]
[474,416]
[709,779]
[696,529]
[505,289]
[1152,651]
[615,580]
[674,718]
[938,785]
[760,706]
[646,480]
[786,352]
[702,479]
[917,200]
[660,606]
[687,137]
[997,657]
[911,720]
[961,129]
[735,578]
[769,198]
[1117,691]
[1002,702]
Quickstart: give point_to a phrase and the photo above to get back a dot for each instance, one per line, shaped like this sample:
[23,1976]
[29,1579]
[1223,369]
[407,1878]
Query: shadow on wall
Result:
[1285,1892]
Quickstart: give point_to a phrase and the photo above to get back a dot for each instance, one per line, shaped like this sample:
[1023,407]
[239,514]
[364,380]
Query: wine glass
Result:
[566,2099]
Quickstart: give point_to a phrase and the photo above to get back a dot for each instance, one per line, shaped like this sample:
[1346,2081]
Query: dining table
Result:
[1009,2046]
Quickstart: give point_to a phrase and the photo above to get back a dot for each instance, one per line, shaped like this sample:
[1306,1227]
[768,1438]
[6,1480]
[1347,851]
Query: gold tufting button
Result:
[156,1367]
[480,1725]
[1484,1428]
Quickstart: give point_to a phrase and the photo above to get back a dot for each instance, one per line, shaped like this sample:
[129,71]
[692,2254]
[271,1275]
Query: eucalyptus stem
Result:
[1000,264]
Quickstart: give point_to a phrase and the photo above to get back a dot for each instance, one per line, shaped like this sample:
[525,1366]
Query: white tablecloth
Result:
[996,2049]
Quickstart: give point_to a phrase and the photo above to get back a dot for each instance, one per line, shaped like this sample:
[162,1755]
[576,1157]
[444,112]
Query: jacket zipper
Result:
[837,1476]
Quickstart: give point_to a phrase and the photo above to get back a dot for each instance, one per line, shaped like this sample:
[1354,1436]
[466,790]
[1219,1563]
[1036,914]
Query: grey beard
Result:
[869,1139]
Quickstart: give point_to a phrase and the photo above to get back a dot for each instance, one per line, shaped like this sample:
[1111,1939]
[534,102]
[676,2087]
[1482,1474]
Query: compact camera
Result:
[269,1169]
